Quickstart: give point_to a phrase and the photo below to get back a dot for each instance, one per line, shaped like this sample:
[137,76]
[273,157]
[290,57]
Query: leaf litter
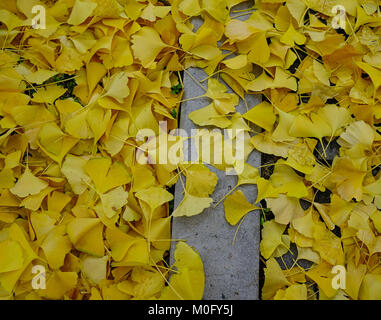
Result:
[74,199]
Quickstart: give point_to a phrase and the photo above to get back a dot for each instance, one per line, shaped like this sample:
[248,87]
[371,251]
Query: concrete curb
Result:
[231,272]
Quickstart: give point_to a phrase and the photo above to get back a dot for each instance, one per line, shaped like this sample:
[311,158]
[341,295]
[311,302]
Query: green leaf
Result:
[176,89]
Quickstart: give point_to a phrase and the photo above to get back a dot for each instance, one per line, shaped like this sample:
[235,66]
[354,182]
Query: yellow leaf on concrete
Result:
[236,207]
[188,282]
[191,206]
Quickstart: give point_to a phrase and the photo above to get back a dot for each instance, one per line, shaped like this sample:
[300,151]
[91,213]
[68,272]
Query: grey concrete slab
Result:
[231,272]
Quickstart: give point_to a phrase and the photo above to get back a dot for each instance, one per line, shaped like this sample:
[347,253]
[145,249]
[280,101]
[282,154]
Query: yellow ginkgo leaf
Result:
[142,177]
[150,283]
[355,276]
[237,30]
[297,9]
[291,36]
[223,101]
[348,175]
[260,51]
[265,189]
[281,80]
[294,292]
[7,199]
[188,282]
[48,94]
[282,131]
[285,208]
[358,133]
[11,20]
[84,42]
[76,123]
[8,280]
[98,119]
[322,275]
[97,78]
[200,180]
[206,52]
[54,143]
[154,196]
[308,254]
[122,53]
[12,160]
[81,11]
[74,170]
[58,200]
[28,184]
[305,225]
[146,45]
[208,116]
[105,174]
[374,74]
[118,134]
[274,279]
[95,268]
[34,202]
[236,207]
[249,175]
[311,126]
[262,115]
[56,245]
[191,206]
[116,86]
[321,73]
[40,76]
[323,210]
[113,200]
[265,144]
[190,7]
[59,283]
[217,9]
[120,243]
[69,61]
[285,180]
[133,9]
[160,233]
[51,137]
[336,117]
[86,234]
[271,238]
[137,255]
[330,247]
[130,214]
[301,158]
[108,9]
[237,62]
[7,179]
[11,256]
[370,288]
[95,294]
[42,224]
[95,71]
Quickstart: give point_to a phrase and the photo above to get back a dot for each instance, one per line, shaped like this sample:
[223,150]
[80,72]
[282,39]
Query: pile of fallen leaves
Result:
[73,97]
[73,197]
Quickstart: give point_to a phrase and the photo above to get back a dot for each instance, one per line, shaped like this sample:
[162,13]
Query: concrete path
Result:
[231,272]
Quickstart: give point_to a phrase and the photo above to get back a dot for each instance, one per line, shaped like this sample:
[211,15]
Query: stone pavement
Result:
[231,272]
